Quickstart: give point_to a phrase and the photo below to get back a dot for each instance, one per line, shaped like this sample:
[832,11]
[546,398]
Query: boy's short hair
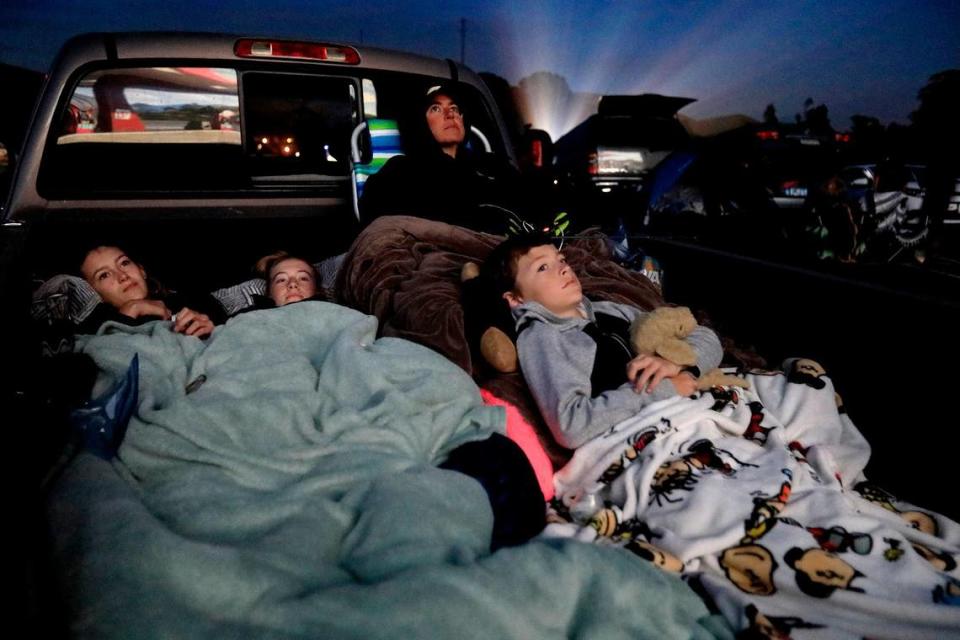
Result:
[500,267]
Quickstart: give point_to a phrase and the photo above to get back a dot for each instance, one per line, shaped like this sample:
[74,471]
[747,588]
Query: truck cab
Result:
[196,142]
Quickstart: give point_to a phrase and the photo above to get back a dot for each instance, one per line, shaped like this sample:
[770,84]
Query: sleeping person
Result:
[130,297]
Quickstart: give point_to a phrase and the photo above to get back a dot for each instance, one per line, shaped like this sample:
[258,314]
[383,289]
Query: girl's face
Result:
[291,280]
[115,276]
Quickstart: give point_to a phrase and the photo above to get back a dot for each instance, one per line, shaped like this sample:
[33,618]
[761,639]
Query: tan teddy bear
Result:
[661,332]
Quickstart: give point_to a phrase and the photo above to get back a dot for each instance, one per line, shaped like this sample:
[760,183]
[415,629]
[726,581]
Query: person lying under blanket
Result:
[574,352]
[130,297]
[756,495]
[296,491]
[497,463]
[289,278]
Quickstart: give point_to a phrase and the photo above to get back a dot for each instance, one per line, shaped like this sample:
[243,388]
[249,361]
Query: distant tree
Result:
[818,120]
[864,123]
[901,142]
[21,87]
[869,136]
[938,130]
[936,119]
[815,120]
[770,115]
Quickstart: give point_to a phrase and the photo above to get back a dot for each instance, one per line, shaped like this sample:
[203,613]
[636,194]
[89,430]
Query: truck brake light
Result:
[248,48]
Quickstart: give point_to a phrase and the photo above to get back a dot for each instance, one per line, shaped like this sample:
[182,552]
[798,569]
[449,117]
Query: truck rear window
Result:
[199,129]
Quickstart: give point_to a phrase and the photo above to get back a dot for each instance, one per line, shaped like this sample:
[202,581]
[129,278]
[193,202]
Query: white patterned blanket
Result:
[758,497]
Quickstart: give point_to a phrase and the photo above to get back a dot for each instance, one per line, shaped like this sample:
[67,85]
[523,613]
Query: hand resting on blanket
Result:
[127,294]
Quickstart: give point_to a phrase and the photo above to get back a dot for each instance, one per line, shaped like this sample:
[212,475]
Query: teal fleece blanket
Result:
[279,480]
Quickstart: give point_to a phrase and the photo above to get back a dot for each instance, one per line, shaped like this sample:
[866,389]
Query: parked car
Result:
[606,161]
[792,163]
[953,206]
[891,198]
[747,187]
[916,190]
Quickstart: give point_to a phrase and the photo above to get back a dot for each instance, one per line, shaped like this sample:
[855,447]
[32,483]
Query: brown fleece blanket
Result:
[406,272]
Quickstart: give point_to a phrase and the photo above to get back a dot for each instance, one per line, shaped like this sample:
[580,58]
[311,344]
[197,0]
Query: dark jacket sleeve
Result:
[103,312]
[386,191]
[204,303]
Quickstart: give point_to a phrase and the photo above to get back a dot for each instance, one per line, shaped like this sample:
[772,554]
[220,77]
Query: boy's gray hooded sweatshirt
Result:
[556,357]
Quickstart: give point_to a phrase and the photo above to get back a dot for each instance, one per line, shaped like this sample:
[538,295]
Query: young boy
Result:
[575,353]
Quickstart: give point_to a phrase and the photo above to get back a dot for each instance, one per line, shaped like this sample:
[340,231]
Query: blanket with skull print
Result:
[758,497]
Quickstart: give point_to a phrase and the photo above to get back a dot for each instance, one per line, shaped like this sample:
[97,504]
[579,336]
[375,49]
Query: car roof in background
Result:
[643,105]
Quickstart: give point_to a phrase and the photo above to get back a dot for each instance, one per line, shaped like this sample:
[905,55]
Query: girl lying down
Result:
[130,297]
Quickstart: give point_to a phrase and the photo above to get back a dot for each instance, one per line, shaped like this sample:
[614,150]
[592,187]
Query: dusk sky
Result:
[732,56]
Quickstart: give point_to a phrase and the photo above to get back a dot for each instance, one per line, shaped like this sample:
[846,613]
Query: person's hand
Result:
[193,323]
[646,371]
[138,308]
[685,384]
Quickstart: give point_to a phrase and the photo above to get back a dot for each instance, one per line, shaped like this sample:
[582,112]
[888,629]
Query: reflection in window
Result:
[298,125]
[150,129]
[154,105]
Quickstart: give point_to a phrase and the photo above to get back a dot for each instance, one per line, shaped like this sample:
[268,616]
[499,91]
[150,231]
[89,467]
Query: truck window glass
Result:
[147,129]
[298,126]
[201,130]
[369,98]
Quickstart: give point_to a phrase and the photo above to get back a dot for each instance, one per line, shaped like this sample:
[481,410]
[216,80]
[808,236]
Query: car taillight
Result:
[248,48]
[536,153]
[768,135]
[841,137]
